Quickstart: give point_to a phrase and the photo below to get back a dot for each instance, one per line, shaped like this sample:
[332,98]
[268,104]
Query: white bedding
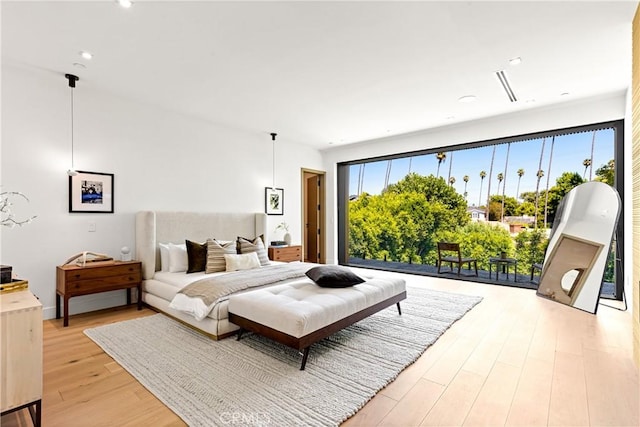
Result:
[167,285]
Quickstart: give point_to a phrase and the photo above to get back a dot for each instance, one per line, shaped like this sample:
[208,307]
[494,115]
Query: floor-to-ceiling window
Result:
[491,196]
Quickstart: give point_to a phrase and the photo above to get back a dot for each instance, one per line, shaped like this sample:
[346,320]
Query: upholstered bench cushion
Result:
[302,307]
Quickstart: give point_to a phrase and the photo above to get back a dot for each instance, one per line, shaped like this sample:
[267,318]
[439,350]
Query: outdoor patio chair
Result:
[535,268]
[450,253]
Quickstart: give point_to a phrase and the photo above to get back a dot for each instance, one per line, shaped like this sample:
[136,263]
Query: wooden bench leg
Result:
[305,354]
[399,310]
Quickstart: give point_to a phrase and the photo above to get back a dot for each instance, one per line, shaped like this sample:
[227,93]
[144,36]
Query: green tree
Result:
[510,204]
[565,183]
[401,223]
[478,240]
[606,173]
[530,248]
[526,208]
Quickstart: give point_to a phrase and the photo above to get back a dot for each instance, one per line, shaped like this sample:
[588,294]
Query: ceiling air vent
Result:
[502,78]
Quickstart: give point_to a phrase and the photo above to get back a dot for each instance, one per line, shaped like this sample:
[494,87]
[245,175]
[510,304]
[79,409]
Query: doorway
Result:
[313,216]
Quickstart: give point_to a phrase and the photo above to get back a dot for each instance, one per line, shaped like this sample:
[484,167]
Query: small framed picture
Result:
[91,192]
[273,201]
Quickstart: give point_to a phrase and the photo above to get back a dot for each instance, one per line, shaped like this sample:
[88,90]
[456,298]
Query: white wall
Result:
[161,160]
[594,110]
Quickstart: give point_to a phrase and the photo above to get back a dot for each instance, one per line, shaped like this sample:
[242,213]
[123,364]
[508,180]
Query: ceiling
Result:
[329,73]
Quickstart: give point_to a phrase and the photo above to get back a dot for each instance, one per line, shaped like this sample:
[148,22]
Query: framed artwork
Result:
[91,192]
[273,201]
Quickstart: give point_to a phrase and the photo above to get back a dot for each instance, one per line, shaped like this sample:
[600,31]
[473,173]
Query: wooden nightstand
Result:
[72,280]
[285,253]
[21,354]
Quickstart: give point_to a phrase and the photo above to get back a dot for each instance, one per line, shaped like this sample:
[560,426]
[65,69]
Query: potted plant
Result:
[285,227]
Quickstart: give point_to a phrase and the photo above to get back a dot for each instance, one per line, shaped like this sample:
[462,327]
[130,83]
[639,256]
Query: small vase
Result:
[287,238]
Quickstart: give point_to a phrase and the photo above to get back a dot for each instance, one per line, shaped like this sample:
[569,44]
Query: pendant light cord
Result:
[72,163]
[273,158]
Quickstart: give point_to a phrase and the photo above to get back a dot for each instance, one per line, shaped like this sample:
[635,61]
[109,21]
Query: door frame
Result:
[322,175]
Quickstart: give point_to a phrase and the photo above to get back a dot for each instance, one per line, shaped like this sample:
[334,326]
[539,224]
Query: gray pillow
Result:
[333,276]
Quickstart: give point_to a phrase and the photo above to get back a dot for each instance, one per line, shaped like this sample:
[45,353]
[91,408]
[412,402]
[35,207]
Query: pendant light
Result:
[72,84]
[273,148]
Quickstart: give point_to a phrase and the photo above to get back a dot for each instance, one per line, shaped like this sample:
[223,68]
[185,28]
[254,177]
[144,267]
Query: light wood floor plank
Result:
[491,408]
[456,401]
[413,408]
[530,405]
[373,413]
[568,405]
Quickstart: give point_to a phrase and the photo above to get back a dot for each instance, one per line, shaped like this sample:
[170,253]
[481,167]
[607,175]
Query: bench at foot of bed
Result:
[302,313]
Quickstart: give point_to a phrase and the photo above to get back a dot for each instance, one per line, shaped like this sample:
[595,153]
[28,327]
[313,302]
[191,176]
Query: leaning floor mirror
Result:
[579,244]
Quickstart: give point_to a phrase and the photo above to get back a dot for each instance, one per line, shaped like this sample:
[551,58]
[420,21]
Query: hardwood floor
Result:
[515,359]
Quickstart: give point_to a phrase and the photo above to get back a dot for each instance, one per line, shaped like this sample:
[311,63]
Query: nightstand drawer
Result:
[93,272]
[285,253]
[103,283]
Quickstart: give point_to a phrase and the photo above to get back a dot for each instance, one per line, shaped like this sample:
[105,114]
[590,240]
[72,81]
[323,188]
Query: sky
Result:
[569,151]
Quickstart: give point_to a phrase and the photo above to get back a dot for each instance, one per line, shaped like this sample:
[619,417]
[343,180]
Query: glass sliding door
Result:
[495,198]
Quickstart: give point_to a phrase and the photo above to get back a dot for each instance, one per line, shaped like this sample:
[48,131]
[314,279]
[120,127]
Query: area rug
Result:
[256,381]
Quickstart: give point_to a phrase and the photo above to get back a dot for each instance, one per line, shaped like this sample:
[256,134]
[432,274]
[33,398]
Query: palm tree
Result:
[452,180]
[500,177]
[506,166]
[539,174]
[450,163]
[593,143]
[586,163]
[520,175]
[483,174]
[466,180]
[360,177]
[441,158]
[387,175]
[546,193]
[489,185]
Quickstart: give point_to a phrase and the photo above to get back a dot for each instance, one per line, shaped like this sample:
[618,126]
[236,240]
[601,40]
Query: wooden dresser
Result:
[285,253]
[21,354]
[72,280]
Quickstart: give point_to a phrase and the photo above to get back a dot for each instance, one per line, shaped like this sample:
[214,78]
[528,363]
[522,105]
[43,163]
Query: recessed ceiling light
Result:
[515,61]
[467,98]
[79,65]
[125,3]
[450,117]
[85,54]
[529,101]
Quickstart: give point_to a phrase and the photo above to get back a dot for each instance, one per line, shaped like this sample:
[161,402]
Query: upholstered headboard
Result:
[174,227]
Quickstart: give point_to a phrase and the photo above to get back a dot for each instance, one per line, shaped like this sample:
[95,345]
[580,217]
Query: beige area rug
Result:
[257,382]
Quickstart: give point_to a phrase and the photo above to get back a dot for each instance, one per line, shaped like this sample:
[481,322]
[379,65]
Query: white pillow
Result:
[164,256]
[242,261]
[178,259]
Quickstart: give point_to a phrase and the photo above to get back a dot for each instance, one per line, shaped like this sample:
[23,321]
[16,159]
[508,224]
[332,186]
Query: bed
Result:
[177,293]
[159,288]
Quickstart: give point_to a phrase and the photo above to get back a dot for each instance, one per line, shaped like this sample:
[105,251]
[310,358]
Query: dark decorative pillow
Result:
[196,256]
[333,276]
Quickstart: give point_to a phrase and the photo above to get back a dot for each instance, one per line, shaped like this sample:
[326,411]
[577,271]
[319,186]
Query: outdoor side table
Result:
[506,263]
